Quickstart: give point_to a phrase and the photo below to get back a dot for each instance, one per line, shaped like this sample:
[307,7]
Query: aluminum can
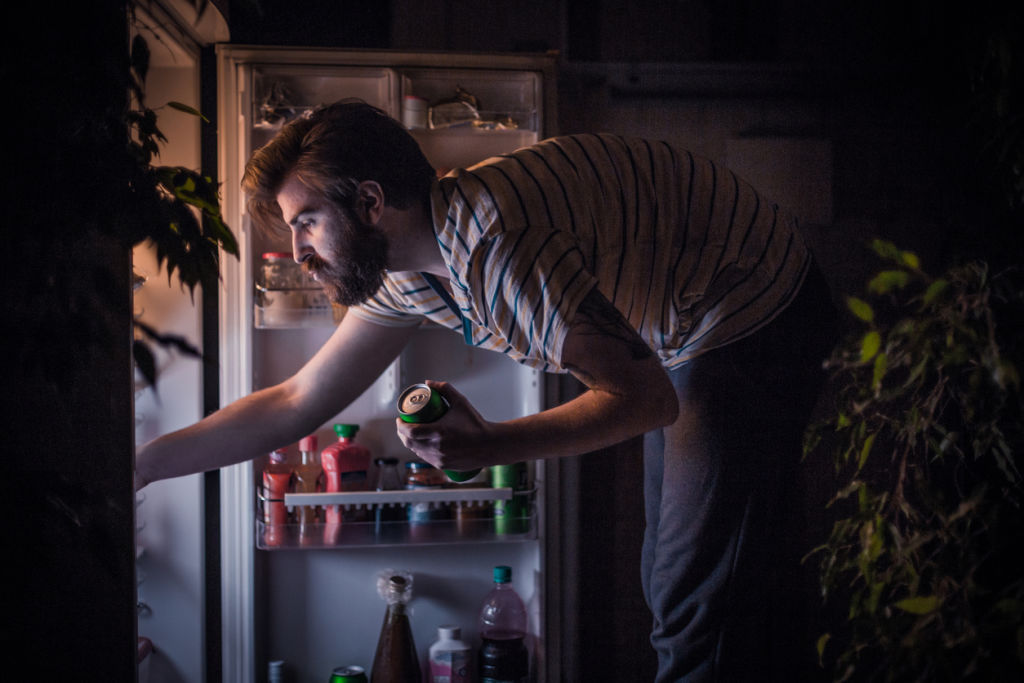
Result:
[419,403]
[348,674]
[509,514]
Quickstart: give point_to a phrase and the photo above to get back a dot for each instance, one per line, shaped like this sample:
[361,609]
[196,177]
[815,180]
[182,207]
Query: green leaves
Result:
[860,308]
[869,345]
[926,442]
[188,110]
[919,605]
[176,209]
[888,280]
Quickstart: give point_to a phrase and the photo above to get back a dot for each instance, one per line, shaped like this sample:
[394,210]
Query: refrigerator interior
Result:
[317,607]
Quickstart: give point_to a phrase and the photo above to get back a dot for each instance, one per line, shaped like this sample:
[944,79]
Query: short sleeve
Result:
[384,308]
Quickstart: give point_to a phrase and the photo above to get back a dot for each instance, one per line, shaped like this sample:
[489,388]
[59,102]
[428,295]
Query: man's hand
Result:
[460,440]
[629,393]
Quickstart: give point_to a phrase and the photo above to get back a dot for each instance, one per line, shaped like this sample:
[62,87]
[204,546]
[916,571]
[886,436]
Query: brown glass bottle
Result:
[396,660]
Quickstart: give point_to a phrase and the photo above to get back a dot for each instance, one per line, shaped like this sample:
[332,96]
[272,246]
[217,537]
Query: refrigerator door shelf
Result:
[398,497]
[294,308]
[473,523]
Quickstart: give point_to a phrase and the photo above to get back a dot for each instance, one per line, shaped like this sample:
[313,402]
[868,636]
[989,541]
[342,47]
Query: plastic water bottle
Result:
[503,656]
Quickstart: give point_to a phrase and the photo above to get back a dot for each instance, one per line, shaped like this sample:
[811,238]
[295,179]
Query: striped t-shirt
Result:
[689,253]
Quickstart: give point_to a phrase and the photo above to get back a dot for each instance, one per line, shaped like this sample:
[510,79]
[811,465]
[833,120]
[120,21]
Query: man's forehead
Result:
[295,199]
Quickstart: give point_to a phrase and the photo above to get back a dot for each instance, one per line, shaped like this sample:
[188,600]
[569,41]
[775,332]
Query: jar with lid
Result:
[384,515]
[414,112]
[280,271]
[423,476]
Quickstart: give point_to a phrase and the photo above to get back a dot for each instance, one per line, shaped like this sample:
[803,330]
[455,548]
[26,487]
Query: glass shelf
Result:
[293,318]
[472,520]
[462,495]
[294,308]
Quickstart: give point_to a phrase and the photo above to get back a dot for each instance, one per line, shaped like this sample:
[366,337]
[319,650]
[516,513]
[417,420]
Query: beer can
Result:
[419,403]
[509,514]
[348,674]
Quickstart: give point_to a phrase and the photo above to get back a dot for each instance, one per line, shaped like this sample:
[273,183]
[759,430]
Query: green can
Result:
[509,515]
[419,404]
[348,674]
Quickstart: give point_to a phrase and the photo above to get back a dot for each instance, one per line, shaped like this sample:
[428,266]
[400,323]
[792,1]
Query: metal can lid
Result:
[347,670]
[414,399]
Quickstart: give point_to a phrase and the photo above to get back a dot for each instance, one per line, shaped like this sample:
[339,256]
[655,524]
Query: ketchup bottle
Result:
[345,464]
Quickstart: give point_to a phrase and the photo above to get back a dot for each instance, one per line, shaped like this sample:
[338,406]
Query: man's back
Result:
[688,252]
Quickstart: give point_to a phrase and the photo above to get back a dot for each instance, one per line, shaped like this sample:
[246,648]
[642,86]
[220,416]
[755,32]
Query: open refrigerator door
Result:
[299,562]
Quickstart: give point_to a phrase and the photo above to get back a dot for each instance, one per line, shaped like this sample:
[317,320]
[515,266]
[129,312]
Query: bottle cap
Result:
[449,632]
[278,456]
[308,443]
[502,574]
[380,462]
[345,431]
[277,254]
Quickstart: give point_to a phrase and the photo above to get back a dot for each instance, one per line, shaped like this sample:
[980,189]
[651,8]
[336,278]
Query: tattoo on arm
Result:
[596,316]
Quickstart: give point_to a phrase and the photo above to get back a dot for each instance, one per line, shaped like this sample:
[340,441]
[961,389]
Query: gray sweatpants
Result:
[719,557]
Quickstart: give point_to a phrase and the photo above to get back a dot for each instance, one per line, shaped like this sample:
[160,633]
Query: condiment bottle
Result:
[388,479]
[420,476]
[345,464]
[276,479]
[307,473]
[396,660]
[451,658]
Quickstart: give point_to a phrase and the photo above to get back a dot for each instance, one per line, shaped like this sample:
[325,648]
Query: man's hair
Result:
[331,152]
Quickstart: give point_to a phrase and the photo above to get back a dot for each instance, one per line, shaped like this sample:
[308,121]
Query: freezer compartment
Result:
[500,99]
[469,517]
[284,93]
[470,115]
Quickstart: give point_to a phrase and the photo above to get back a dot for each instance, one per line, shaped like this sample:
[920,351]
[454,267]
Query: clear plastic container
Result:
[280,271]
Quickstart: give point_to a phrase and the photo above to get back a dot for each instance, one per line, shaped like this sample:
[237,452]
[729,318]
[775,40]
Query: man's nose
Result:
[301,250]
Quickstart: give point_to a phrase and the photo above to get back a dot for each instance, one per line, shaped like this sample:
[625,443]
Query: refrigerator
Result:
[310,599]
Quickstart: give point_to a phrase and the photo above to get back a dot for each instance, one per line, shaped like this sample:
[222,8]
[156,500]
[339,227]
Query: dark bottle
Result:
[388,479]
[396,660]
[503,654]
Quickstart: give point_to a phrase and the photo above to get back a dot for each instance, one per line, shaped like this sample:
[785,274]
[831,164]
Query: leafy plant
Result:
[923,556]
[175,208]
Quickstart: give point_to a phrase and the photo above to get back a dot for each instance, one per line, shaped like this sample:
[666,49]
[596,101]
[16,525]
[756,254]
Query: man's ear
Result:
[369,201]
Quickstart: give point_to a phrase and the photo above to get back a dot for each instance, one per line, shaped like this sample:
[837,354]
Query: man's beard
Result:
[354,268]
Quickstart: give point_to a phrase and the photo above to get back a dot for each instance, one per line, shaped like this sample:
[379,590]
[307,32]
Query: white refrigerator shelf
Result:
[358,499]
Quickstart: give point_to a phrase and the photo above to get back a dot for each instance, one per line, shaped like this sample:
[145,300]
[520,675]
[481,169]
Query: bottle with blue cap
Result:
[503,654]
